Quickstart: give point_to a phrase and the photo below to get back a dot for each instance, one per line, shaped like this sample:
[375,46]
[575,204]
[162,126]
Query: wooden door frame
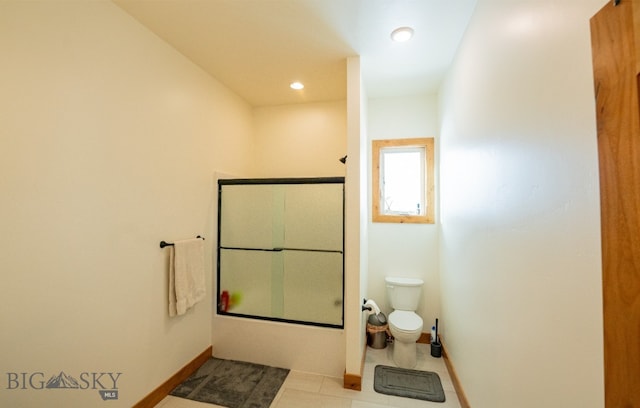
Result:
[615,40]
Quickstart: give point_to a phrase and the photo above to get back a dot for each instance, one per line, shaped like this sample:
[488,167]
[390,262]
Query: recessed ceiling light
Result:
[402,34]
[296,85]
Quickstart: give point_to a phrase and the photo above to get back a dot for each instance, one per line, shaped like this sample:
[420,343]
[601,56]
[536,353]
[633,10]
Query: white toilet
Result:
[405,325]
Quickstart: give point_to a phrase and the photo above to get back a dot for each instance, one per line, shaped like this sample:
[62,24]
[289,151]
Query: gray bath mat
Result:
[423,385]
[233,384]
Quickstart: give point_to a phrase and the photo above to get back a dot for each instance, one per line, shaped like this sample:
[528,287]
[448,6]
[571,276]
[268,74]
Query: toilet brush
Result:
[436,347]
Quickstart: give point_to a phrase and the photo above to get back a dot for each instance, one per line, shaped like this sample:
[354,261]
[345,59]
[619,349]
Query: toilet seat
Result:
[405,321]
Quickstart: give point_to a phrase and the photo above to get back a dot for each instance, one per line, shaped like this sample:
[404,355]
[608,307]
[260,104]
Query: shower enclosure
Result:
[281,250]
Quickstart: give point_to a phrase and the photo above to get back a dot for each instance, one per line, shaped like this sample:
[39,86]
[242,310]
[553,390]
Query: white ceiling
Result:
[258,47]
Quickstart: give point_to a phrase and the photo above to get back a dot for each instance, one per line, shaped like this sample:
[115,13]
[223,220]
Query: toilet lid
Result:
[405,321]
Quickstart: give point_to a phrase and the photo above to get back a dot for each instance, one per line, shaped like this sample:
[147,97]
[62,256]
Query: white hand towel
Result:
[186,275]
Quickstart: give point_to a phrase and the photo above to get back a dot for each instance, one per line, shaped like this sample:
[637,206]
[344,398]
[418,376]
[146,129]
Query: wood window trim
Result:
[428,217]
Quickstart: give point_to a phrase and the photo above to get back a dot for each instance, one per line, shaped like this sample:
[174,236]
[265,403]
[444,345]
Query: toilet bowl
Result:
[406,328]
[405,325]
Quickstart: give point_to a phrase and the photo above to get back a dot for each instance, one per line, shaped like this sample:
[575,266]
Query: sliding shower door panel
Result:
[313,217]
[252,218]
[247,276]
[313,286]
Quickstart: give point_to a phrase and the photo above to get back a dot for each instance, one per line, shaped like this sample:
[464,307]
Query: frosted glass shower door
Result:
[313,287]
[250,268]
[249,281]
[280,252]
[313,265]
[313,217]
[251,216]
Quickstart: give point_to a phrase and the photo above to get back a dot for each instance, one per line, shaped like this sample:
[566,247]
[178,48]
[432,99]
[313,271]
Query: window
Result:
[403,181]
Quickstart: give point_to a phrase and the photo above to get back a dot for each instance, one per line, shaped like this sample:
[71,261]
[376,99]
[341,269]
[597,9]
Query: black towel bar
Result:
[164,243]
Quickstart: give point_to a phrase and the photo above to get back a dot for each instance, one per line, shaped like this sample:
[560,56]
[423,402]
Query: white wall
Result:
[109,142]
[303,140]
[356,215]
[407,250]
[520,258]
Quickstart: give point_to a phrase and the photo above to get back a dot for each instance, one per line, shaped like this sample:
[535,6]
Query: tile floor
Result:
[305,390]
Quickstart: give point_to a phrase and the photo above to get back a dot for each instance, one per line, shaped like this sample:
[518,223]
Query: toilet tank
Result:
[404,293]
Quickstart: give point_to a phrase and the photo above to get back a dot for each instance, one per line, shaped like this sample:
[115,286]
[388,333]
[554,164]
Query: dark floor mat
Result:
[401,382]
[233,384]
